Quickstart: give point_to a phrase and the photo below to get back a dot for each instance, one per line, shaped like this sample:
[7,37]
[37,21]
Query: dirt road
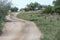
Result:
[19,29]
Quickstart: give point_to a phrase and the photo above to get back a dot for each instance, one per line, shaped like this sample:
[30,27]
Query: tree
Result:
[5,5]
[56,6]
[57,9]
[14,9]
[48,9]
[4,8]
[34,6]
[56,3]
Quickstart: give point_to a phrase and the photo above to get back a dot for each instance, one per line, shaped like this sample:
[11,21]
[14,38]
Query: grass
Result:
[48,24]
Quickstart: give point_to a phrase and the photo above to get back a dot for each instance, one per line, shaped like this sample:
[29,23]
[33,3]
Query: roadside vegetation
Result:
[4,8]
[47,18]
[14,9]
[49,25]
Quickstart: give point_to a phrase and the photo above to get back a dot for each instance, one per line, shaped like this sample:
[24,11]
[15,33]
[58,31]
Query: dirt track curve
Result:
[19,29]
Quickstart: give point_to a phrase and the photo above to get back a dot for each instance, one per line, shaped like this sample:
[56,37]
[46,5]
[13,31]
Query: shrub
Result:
[47,10]
[57,9]
[14,9]
[4,8]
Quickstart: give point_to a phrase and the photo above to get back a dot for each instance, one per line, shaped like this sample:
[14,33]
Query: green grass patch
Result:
[48,24]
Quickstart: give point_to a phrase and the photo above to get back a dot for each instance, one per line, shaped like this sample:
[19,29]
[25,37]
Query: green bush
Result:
[57,9]
[47,9]
[32,7]
[14,9]
[4,8]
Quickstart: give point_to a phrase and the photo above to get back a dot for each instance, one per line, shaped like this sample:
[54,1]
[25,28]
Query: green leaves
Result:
[47,9]
[4,8]
[15,9]
[56,3]
[34,6]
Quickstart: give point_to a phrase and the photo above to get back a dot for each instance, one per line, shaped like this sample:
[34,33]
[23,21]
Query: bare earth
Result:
[19,29]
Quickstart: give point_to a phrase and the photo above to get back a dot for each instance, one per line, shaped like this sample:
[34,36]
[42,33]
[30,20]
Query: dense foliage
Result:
[48,9]
[57,9]
[32,6]
[14,9]
[56,2]
[5,5]
[56,6]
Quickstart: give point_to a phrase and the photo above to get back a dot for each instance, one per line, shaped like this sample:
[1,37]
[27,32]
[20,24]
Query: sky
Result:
[22,3]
